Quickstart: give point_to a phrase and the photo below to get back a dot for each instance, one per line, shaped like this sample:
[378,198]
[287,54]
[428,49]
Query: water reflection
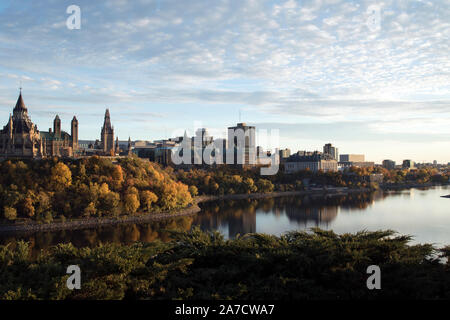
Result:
[125,234]
[233,217]
[419,212]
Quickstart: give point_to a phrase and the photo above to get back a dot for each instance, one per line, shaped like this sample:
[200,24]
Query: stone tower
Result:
[74,133]
[129,146]
[107,135]
[57,126]
[117,148]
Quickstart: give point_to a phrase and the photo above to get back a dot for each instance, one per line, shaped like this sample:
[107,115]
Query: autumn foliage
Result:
[89,187]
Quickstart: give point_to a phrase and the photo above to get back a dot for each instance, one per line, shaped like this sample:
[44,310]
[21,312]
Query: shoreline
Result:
[410,186]
[91,223]
[277,194]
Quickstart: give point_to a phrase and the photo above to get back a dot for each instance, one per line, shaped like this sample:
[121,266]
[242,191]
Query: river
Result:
[421,213]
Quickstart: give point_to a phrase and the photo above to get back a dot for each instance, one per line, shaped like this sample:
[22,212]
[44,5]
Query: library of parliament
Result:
[20,137]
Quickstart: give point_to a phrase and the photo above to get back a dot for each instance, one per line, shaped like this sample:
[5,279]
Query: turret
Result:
[10,126]
[74,133]
[116,148]
[129,146]
[57,126]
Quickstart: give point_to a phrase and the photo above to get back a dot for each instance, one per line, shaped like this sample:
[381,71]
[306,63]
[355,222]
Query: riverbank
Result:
[333,191]
[409,186]
[89,223]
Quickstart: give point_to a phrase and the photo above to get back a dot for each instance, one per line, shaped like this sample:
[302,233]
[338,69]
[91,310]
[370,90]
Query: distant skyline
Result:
[319,71]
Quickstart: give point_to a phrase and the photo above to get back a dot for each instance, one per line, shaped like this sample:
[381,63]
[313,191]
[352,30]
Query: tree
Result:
[131,203]
[193,191]
[28,208]
[109,202]
[61,176]
[90,210]
[117,176]
[264,185]
[249,185]
[147,199]
[10,213]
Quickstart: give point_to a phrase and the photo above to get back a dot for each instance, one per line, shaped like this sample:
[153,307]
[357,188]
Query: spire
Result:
[107,122]
[20,105]
[129,146]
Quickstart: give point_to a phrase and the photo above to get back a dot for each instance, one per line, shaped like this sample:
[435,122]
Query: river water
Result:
[421,213]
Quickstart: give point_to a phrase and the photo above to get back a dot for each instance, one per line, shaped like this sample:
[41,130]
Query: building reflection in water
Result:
[231,217]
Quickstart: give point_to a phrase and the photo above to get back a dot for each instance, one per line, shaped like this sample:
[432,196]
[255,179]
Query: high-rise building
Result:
[285,153]
[408,164]
[332,152]
[241,144]
[352,158]
[107,135]
[389,164]
[202,136]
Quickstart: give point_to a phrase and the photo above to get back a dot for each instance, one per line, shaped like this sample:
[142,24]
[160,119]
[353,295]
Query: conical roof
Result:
[20,105]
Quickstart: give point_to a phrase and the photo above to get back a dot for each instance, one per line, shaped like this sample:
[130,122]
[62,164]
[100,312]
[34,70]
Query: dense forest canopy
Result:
[198,265]
[49,189]
[89,187]
[231,180]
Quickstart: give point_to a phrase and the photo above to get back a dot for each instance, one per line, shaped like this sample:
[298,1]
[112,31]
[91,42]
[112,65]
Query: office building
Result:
[331,151]
[241,148]
[314,163]
[389,164]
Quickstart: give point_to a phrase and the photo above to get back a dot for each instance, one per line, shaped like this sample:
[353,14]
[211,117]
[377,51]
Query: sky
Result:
[371,77]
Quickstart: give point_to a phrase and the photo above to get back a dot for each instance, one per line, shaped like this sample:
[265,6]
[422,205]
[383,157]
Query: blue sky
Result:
[315,70]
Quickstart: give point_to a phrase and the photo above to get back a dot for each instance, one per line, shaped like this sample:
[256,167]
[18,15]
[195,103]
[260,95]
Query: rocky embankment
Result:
[88,223]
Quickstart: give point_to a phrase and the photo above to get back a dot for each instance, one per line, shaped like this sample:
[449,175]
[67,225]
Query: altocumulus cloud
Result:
[310,61]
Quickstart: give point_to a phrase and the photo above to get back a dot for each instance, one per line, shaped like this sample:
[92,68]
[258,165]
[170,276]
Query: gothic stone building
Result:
[107,136]
[20,138]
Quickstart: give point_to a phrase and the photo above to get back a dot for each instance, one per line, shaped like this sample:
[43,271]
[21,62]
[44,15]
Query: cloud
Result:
[314,60]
